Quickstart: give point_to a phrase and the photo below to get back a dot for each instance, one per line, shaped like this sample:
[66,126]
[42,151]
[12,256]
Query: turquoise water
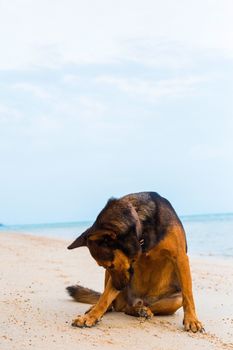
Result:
[210,234]
[67,230]
[206,234]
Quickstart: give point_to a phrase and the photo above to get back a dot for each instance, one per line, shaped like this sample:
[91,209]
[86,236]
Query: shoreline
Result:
[36,311]
[69,239]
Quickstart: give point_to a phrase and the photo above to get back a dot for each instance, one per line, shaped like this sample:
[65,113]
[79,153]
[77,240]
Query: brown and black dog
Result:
[141,243]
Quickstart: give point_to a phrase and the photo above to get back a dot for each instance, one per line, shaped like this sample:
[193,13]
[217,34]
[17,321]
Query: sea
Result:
[207,235]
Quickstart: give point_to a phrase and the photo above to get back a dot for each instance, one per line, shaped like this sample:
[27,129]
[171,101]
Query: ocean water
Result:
[207,235]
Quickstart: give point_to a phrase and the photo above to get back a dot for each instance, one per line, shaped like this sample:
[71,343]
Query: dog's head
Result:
[113,242]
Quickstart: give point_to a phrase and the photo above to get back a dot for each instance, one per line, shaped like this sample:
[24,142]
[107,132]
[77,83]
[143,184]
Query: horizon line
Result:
[183,216]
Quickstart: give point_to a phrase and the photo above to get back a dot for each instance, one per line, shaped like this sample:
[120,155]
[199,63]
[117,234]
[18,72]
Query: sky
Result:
[104,98]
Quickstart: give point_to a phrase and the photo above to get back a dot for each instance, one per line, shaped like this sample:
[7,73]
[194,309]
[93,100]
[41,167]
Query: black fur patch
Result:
[156,217]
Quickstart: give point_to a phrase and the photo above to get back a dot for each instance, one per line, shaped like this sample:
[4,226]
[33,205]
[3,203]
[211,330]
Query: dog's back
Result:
[156,215]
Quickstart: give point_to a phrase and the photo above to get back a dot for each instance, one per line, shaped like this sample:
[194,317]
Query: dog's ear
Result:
[81,241]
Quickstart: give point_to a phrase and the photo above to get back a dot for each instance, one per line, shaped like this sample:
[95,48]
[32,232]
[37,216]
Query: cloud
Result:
[9,115]
[35,90]
[71,78]
[51,34]
[161,53]
[153,91]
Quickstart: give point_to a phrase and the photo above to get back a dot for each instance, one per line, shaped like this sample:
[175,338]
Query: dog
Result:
[141,243]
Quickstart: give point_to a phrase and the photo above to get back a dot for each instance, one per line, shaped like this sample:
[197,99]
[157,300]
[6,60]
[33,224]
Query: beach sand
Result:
[36,312]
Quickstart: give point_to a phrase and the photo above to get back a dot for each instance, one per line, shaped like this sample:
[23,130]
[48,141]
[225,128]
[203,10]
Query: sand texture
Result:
[36,312]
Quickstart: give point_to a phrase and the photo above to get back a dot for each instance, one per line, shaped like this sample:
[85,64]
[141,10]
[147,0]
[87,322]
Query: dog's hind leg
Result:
[167,305]
[139,310]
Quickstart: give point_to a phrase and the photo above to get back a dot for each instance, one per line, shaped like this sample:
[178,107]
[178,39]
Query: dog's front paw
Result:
[86,320]
[192,324]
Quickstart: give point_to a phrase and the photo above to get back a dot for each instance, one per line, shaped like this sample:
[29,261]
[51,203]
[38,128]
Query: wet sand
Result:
[36,312]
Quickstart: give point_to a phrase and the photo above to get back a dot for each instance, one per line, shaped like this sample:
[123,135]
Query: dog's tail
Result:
[83,295]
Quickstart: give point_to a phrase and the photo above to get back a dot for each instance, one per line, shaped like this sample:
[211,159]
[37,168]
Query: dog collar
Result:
[141,242]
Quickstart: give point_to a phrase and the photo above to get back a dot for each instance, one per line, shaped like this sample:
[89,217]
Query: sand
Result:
[36,312]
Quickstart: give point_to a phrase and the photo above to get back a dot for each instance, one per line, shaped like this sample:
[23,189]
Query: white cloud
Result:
[71,78]
[36,90]
[52,33]
[154,90]
[9,115]
[92,105]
